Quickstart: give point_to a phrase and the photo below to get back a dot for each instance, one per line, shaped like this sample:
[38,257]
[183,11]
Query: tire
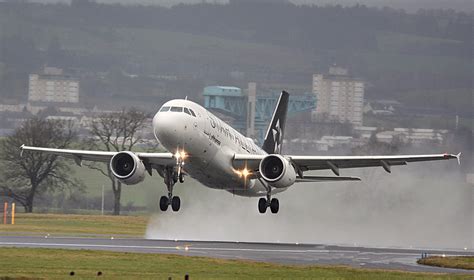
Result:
[164,203]
[262,205]
[181,178]
[175,203]
[274,205]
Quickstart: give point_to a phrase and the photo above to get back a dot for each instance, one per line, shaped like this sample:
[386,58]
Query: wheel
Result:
[175,203]
[181,178]
[274,205]
[262,205]
[164,203]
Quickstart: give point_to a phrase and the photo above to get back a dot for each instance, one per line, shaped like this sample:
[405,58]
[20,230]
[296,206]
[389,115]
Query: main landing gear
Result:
[264,203]
[171,176]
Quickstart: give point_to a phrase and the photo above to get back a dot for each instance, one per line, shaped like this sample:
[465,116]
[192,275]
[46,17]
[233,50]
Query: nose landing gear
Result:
[171,176]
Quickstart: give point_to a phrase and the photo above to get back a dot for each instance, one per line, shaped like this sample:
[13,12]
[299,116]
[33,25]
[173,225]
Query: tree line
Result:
[308,27]
[25,176]
[427,50]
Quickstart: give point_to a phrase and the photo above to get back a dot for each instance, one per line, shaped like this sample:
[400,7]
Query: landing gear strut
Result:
[264,203]
[171,176]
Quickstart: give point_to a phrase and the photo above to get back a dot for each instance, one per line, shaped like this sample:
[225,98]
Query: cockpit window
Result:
[176,109]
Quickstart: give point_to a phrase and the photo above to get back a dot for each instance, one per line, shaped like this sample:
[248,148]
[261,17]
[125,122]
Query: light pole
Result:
[102,206]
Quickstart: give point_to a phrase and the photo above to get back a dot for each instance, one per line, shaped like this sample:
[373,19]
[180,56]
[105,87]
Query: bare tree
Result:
[33,174]
[117,132]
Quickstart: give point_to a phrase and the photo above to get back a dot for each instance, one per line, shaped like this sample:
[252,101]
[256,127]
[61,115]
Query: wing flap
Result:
[307,179]
[334,163]
[342,164]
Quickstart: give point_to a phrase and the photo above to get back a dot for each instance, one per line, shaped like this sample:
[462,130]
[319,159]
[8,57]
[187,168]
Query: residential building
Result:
[53,86]
[339,97]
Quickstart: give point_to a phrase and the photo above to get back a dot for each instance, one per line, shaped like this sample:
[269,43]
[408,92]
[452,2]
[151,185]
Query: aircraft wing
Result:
[156,159]
[334,163]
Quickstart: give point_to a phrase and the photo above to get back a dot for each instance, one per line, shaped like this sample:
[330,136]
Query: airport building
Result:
[53,86]
[340,97]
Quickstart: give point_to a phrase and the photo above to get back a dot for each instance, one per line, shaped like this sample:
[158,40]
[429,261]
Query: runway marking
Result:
[177,248]
[85,245]
[183,248]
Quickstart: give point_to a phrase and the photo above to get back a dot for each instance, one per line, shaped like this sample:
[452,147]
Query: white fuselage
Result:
[210,145]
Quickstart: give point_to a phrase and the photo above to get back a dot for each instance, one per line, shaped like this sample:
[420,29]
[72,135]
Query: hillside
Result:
[421,58]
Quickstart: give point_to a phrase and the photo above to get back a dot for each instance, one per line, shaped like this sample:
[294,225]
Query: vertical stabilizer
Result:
[274,137]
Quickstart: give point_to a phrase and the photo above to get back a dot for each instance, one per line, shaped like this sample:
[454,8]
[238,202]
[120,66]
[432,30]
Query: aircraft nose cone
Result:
[171,129]
[163,127]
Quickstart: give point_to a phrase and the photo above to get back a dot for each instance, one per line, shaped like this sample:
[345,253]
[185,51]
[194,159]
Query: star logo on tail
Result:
[277,137]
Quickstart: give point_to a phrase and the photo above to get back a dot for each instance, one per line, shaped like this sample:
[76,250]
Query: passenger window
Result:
[176,109]
[165,109]
[186,111]
[192,112]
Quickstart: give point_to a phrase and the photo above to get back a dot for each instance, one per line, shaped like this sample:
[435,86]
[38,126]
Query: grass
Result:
[463,262]
[58,264]
[134,226]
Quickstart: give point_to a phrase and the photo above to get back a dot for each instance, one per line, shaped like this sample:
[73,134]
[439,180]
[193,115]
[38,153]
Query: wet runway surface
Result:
[295,254]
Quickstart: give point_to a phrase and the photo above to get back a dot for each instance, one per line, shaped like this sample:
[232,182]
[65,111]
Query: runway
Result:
[295,254]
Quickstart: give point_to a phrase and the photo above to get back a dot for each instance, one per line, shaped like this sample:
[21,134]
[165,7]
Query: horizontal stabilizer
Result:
[326,179]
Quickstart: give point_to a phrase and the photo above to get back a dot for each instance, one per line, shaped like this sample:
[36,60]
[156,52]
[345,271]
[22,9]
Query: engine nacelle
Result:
[127,168]
[277,171]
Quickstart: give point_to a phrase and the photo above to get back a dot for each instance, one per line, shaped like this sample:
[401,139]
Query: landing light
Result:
[180,154]
[243,173]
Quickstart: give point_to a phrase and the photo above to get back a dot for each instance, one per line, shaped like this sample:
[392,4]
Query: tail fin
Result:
[274,137]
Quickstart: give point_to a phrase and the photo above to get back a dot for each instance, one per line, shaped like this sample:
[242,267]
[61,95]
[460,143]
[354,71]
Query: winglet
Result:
[458,157]
[21,150]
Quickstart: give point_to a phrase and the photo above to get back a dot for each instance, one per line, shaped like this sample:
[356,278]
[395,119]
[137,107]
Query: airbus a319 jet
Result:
[207,149]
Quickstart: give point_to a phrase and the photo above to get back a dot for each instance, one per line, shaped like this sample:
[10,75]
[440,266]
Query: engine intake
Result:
[277,171]
[127,168]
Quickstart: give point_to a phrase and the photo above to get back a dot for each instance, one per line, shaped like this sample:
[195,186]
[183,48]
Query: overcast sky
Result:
[409,5]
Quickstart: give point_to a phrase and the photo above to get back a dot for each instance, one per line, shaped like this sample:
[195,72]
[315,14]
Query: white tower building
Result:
[339,97]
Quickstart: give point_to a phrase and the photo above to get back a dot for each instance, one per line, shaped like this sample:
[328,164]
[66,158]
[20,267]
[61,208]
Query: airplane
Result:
[207,149]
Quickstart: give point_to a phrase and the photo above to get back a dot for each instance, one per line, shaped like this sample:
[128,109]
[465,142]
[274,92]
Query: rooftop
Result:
[222,90]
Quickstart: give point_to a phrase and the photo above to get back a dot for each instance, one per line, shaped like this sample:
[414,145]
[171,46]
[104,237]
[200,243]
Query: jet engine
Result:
[277,171]
[127,168]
